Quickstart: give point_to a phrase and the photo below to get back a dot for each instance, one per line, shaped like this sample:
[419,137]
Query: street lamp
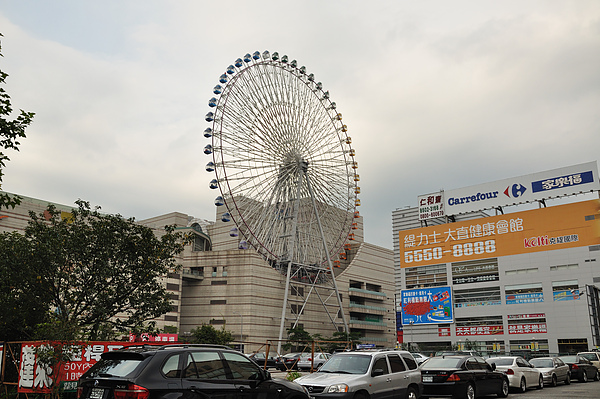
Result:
[411,335]
[241,325]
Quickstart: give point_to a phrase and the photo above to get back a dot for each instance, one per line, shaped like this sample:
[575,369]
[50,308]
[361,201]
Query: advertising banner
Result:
[431,206]
[35,377]
[479,330]
[520,190]
[531,297]
[566,295]
[427,306]
[555,227]
[534,328]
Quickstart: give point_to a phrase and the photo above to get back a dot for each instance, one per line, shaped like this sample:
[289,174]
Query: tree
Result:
[21,298]
[207,334]
[298,339]
[10,133]
[96,274]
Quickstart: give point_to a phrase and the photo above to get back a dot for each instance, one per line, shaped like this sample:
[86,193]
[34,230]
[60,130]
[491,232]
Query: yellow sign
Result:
[545,229]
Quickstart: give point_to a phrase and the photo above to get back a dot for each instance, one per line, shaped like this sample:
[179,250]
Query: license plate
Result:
[97,393]
[427,378]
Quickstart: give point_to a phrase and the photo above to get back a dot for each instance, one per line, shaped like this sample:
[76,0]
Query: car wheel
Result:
[597,376]
[583,377]
[470,391]
[360,395]
[503,389]
[522,386]
[411,393]
[554,380]
[568,379]
[541,383]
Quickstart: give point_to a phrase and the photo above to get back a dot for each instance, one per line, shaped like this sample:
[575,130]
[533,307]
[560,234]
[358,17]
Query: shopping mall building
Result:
[507,266]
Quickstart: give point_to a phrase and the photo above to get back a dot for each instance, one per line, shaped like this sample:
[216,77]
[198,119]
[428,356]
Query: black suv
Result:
[182,371]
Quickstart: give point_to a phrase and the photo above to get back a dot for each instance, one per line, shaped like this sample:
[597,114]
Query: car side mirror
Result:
[493,366]
[376,372]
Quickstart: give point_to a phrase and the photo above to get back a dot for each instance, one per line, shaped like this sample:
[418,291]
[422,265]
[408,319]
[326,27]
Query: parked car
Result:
[553,370]
[290,361]
[593,357]
[581,368]
[462,377]
[362,374]
[457,353]
[181,371]
[307,361]
[271,361]
[521,374]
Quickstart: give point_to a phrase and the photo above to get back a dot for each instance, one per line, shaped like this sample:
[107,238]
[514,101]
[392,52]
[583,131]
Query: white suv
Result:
[364,374]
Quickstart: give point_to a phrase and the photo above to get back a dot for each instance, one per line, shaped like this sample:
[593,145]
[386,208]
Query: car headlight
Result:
[548,373]
[337,388]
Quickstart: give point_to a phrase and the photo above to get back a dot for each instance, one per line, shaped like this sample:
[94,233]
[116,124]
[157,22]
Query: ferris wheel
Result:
[283,165]
[274,129]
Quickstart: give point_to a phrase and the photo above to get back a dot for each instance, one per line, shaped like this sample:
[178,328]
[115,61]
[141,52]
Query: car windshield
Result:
[547,363]
[589,356]
[348,364]
[569,359]
[442,363]
[501,361]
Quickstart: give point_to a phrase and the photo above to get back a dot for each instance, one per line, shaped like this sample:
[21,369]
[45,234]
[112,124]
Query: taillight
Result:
[79,392]
[453,377]
[510,372]
[132,392]
[574,366]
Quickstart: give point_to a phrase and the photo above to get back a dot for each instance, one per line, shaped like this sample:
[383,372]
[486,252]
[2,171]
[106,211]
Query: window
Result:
[242,368]
[205,365]
[563,267]
[171,367]
[396,363]
[524,293]
[218,301]
[566,290]
[475,271]
[297,291]
[477,297]
[218,282]
[521,271]
[297,309]
[217,321]
[410,361]
[381,364]
[426,276]
[484,325]
[172,287]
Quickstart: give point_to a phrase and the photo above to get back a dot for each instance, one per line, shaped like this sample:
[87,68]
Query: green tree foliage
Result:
[93,274]
[10,133]
[207,334]
[22,298]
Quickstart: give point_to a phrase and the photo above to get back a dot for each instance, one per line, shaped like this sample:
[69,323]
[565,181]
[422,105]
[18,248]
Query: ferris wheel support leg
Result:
[329,264]
[289,265]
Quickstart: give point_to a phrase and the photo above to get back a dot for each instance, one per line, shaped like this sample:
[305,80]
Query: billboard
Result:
[519,190]
[36,377]
[431,305]
[431,206]
[556,227]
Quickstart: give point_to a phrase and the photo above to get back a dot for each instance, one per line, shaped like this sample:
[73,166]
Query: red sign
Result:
[527,328]
[479,330]
[145,337]
[443,331]
[35,377]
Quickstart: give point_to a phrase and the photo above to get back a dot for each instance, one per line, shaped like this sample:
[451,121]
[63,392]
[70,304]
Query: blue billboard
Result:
[427,306]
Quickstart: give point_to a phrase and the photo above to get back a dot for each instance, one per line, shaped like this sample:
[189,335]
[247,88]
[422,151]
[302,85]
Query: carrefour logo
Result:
[515,191]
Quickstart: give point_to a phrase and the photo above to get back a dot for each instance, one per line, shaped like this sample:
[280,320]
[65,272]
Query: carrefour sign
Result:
[529,188]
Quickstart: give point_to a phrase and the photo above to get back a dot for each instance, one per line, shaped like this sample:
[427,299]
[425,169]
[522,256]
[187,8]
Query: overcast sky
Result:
[436,94]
